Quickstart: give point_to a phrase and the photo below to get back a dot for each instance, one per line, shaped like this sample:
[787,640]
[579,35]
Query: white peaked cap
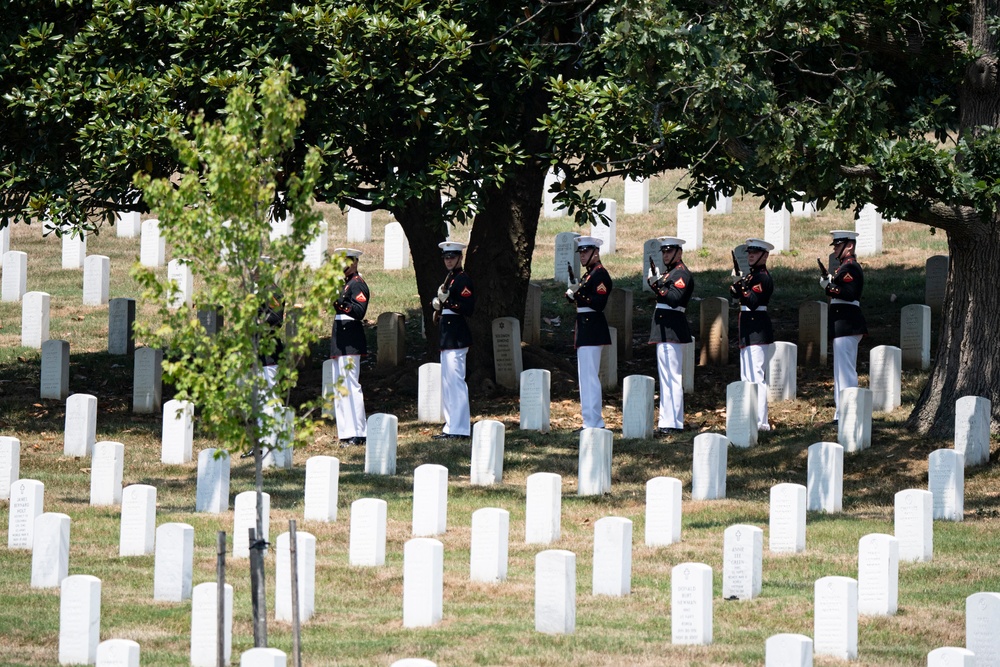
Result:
[668,241]
[843,234]
[451,246]
[350,252]
[760,243]
[587,241]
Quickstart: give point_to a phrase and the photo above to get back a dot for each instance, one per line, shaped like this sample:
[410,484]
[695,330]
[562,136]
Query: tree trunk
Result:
[499,259]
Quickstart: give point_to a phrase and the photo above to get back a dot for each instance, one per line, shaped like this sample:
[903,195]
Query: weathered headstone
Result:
[555,592]
[423,582]
[782,371]
[50,550]
[430,500]
[212,494]
[741,413]
[742,562]
[982,613]
[708,466]
[322,488]
[854,428]
[878,575]
[636,195]
[885,366]
[390,335]
[305,562]
[429,393]
[367,542]
[690,223]
[913,520]
[34,319]
[607,373]
[27,498]
[825,477]
[619,314]
[787,527]
[245,517]
[951,656]
[489,545]
[687,367]
[182,287]
[566,254]
[549,206]
[152,246]
[487,453]
[835,617]
[380,447]
[543,508]
[118,653]
[359,224]
[612,573]
[15,276]
[212,319]
[915,336]
[594,462]
[535,401]
[396,248]
[96,280]
[935,282]
[972,429]
[691,604]
[777,229]
[507,362]
[650,251]
[607,230]
[74,250]
[315,253]
[531,329]
[10,464]
[204,624]
[121,319]
[138,525]
[813,334]
[663,511]
[127,224]
[868,225]
[172,566]
[147,380]
[106,469]
[714,332]
[946,480]
[79,619]
[637,406]
[54,376]
[79,433]
[788,650]
[178,432]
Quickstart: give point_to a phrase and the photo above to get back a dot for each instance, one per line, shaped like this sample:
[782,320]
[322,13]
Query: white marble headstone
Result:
[535,401]
[15,276]
[636,195]
[204,624]
[637,406]
[787,527]
[691,604]
[972,429]
[34,319]
[868,225]
[27,499]
[80,431]
[854,428]
[612,573]
[690,222]
[118,653]
[316,251]
[913,520]
[507,360]
[489,545]
[708,466]
[429,394]
[594,462]
[742,562]
[245,517]
[367,542]
[10,464]
[430,500]
[74,250]
[79,619]
[951,656]
[305,564]
[106,470]
[172,566]
[487,453]
[127,224]
[884,377]
[777,229]
[182,288]
[152,246]
[50,550]
[788,650]
[982,614]
[723,204]
[825,477]
[263,657]
[555,592]
[212,493]
[915,336]
[835,617]
[663,511]
[55,370]
[147,383]
[96,280]
[396,249]
[946,480]
[803,209]
[178,432]
[322,488]
[423,582]
[741,413]
[138,524]
[359,224]
[543,508]
[380,445]
[782,383]
[549,206]
[606,230]
[878,575]
[565,253]
[121,319]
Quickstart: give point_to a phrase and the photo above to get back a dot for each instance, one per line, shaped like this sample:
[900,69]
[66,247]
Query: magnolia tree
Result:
[217,214]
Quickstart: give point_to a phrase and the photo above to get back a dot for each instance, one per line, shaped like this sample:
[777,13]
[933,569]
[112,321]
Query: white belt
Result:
[344,318]
[584,309]
[448,311]
[663,306]
[758,308]
[834,302]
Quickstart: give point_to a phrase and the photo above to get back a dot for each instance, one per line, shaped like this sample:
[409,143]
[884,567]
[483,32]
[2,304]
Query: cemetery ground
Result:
[358,618]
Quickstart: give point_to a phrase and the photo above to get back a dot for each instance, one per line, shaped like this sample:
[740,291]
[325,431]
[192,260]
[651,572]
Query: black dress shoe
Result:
[441,436]
[359,440]
[664,432]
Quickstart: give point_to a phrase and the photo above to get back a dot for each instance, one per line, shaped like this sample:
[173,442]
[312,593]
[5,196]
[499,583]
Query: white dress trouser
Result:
[588,369]
[350,408]
[845,366]
[752,361]
[670,366]
[454,392]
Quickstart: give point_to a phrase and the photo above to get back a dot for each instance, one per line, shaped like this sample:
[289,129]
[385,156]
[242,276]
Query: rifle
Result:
[569,272]
[736,264]
[822,269]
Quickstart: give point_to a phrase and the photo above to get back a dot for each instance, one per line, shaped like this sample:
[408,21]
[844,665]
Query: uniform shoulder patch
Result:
[848,278]
[758,288]
[602,289]
[362,298]
[466,292]
[680,284]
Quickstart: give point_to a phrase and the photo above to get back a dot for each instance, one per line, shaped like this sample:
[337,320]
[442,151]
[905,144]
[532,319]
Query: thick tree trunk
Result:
[499,259]
[424,228]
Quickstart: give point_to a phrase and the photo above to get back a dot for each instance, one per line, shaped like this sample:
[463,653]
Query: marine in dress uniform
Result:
[846,324]
[454,302]
[670,330]
[590,295]
[347,346]
[753,291]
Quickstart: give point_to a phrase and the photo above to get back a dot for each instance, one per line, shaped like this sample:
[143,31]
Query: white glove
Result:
[436,303]
[653,273]
[572,290]
[443,294]
[825,281]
